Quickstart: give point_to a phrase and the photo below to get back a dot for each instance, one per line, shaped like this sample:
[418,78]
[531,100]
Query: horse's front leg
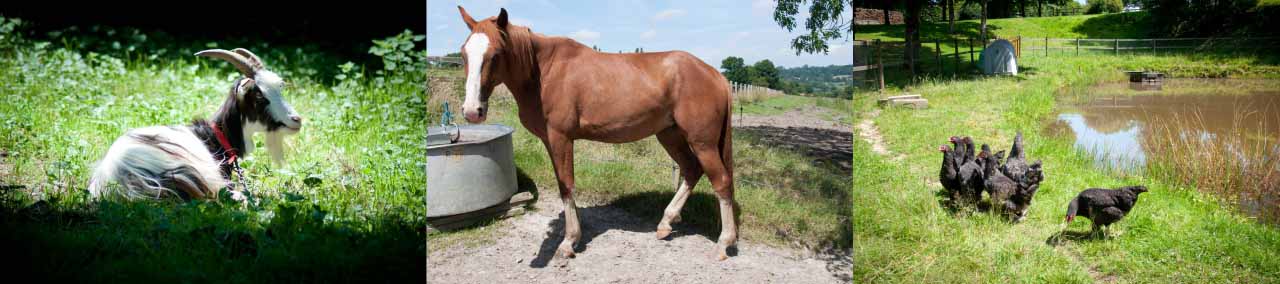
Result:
[560,147]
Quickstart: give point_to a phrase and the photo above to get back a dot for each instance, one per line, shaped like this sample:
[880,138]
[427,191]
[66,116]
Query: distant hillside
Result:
[816,73]
[826,81]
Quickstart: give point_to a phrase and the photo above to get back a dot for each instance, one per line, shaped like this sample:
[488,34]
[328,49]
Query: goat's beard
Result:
[275,146]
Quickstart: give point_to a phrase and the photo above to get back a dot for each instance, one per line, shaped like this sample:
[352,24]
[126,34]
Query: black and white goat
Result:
[196,161]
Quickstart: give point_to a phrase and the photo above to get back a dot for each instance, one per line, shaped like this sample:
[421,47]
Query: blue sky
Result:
[711,30]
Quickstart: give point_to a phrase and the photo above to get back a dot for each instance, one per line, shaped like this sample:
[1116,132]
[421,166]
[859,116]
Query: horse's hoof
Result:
[565,253]
[662,234]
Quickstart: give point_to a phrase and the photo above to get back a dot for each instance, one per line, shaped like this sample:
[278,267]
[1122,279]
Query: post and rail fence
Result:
[872,57]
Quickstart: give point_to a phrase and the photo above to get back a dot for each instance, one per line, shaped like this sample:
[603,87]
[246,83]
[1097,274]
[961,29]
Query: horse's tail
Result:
[726,138]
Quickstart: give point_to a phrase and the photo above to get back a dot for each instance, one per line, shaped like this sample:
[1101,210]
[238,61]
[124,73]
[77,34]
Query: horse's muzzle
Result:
[475,115]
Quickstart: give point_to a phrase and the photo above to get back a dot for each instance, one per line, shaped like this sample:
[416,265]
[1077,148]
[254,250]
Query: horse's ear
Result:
[466,18]
[502,19]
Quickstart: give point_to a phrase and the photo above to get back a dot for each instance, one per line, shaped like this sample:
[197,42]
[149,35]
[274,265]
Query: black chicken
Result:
[1016,167]
[949,175]
[971,176]
[1021,199]
[1104,206]
[998,186]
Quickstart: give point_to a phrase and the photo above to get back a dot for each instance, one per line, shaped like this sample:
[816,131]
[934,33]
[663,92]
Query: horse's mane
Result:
[521,39]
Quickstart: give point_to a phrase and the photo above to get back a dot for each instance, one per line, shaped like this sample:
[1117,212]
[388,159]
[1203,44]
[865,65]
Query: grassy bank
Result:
[784,198]
[346,205]
[1175,234]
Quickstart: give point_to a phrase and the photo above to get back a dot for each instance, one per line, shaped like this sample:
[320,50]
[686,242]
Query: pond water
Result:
[1127,125]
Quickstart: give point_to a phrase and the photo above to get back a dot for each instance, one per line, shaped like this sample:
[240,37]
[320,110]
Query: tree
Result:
[825,23]
[735,70]
[765,69]
[983,34]
[1104,6]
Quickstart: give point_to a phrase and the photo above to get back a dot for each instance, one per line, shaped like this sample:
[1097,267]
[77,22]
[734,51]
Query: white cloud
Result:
[667,14]
[763,7]
[585,35]
[649,34]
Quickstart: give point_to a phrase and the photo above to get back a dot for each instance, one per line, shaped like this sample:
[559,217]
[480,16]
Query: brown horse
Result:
[566,91]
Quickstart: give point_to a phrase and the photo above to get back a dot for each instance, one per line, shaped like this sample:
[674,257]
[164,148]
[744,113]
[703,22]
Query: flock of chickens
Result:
[1010,184]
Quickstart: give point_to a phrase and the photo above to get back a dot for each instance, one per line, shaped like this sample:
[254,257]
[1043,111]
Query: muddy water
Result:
[1118,124]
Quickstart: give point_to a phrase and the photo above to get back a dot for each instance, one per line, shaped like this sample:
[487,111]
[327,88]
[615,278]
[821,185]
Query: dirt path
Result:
[867,129]
[617,247]
[806,131]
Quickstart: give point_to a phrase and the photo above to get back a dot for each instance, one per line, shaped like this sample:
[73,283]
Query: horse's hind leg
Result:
[560,148]
[678,148]
[709,156]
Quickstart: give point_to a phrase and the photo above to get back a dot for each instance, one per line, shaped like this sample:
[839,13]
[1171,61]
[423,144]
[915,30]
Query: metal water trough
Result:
[1145,76]
[469,167]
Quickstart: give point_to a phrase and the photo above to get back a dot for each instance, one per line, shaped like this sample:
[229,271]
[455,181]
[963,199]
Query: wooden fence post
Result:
[1046,46]
[880,64]
[937,55]
[1077,46]
[970,50]
[1115,48]
[1153,45]
[955,46]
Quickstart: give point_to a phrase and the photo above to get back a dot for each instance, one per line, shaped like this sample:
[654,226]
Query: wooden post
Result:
[937,55]
[970,50]
[1017,48]
[1046,46]
[880,64]
[1077,46]
[955,46]
[1153,45]
[1115,48]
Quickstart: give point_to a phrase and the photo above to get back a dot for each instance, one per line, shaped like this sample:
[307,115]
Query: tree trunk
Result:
[1039,8]
[912,21]
[951,16]
[887,5]
[983,34]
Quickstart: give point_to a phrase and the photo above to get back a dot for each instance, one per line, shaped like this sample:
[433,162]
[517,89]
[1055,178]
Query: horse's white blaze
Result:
[476,46]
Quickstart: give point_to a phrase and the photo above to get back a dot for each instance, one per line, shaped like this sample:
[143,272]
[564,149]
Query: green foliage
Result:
[346,205]
[1213,18]
[825,23]
[767,73]
[735,70]
[819,81]
[1104,6]
[900,225]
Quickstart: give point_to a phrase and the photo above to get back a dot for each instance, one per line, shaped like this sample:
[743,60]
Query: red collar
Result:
[222,139]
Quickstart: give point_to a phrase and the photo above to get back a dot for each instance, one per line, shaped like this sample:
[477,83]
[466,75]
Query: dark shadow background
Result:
[342,27]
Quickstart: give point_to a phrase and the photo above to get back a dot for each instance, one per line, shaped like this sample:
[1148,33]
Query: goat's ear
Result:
[502,19]
[244,87]
[466,18]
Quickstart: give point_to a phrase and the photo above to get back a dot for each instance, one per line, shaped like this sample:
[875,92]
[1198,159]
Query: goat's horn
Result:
[254,61]
[236,60]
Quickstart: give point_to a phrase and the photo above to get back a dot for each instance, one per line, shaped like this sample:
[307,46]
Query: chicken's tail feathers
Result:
[1016,150]
[1072,208]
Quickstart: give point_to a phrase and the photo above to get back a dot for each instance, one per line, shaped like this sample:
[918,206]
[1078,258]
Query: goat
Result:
[196,160]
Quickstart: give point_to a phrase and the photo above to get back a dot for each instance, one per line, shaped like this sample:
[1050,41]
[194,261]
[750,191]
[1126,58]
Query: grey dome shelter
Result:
[999,58]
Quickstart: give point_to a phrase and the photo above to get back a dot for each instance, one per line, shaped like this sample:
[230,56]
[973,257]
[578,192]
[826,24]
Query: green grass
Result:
[346,205]
[784,198]
[1175,234]
[1126,25]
